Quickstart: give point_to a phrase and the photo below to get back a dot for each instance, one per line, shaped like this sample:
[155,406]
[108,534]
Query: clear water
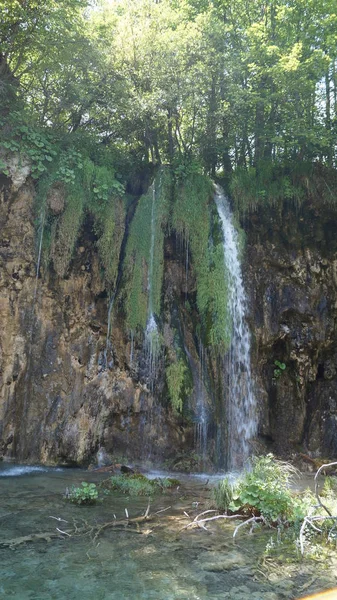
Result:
[162,563]
[241,404]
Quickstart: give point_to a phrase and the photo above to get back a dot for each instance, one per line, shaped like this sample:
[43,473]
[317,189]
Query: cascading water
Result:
[241,404]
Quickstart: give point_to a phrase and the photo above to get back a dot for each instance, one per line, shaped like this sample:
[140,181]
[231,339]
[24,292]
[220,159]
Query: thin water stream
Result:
[158,562]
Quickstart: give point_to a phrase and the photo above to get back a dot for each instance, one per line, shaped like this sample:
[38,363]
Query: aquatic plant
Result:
[139,485]
[87,493]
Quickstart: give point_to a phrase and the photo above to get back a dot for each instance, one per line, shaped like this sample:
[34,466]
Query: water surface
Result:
[158,562]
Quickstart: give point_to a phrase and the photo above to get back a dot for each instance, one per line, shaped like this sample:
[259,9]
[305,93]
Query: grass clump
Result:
[139,485]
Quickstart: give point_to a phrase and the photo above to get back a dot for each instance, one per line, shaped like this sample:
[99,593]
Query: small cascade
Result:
[108,357]
[152,341]
[132,347]
[152,348]
[241,404]
[186,268]
[39,256]
[201,409]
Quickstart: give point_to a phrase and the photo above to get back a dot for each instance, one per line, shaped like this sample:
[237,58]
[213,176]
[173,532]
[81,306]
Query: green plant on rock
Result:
[30,142]
[88,188]
[87,493]
[267,185]
[280,368]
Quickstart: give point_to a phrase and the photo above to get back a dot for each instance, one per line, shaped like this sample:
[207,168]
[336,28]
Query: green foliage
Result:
[28,141]
[144,260]
[139,485]
[280,368]
[192,219]
[86,494]
[177,384]
[329,487]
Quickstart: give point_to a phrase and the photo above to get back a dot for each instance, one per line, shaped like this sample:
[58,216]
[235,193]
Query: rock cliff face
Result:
[60,402]
[291,273]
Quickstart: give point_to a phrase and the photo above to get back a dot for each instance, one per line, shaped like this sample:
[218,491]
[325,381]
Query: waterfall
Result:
[241,404]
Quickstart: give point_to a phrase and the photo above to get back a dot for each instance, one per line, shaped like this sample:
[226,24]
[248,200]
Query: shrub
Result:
[264,490]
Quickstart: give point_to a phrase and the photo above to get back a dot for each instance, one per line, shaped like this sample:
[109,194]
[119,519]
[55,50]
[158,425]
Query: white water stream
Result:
[240,401]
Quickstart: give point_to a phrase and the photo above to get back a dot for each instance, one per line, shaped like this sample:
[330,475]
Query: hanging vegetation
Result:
[144,260]
[193,216]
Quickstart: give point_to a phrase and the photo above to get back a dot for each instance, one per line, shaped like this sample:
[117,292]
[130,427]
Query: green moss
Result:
[67,230]
[139,298]
[193,218]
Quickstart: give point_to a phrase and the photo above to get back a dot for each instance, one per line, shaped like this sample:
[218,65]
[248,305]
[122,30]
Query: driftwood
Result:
[84,529]
[198,522]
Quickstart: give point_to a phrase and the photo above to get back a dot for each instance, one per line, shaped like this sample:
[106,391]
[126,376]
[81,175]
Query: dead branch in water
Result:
[326,466]
[199,522]
[83,528]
